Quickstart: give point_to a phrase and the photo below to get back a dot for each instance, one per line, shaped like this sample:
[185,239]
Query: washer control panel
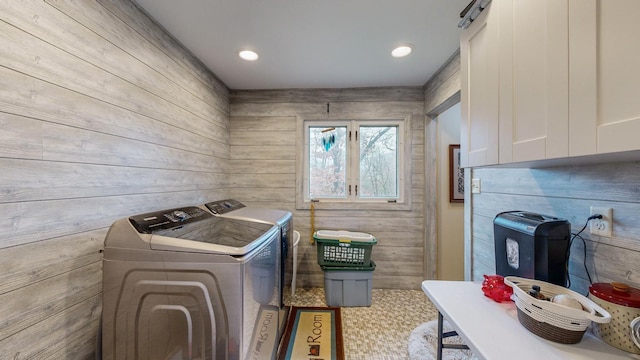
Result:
[224,206]
[167,219]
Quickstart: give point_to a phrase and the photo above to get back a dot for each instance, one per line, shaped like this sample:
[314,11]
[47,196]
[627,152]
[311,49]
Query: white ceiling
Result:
[314,43]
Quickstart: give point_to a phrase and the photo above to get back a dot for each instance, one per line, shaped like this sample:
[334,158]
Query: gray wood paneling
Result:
[443,89]
[338,109]
[383,94]
[35,262]
[49,180]
[24,95]
[57,337]
[21,309]
[105,24]
[44,61]
[567,192]
[102,115]
[34,221]
[20,138]
[263,133]
[64,143]
[128,12]
[51,25]
[440,92]
[261,167]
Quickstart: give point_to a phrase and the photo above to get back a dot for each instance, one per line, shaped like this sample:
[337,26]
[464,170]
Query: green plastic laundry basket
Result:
[338,248]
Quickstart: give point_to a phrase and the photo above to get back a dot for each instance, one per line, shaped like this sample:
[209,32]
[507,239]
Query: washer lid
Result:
[234,209]
[192,229]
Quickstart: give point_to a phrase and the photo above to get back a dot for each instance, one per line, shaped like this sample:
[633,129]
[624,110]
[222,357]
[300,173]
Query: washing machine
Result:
[184,284]
[234,209]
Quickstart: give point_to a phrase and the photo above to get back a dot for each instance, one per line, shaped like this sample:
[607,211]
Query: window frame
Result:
[404,166]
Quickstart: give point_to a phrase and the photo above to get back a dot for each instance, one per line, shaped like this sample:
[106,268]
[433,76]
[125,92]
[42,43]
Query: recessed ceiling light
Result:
[402,50]
[248,55]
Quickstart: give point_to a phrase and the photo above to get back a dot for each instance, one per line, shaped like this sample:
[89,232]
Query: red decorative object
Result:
[493,287]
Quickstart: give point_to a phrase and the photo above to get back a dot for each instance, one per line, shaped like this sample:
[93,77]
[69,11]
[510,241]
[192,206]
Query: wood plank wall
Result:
[102,115]
[566,192]
[441,92]
[263,166]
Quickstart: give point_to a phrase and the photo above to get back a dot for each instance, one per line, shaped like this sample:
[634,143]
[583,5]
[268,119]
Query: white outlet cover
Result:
[604,226]
[475,186]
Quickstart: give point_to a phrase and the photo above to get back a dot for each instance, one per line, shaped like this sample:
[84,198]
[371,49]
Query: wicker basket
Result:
[549,320]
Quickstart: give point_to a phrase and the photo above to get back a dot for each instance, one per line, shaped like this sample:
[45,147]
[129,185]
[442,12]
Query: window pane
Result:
[327,162]
[378,162]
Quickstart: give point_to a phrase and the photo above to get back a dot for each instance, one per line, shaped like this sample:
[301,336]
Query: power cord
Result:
[584,246]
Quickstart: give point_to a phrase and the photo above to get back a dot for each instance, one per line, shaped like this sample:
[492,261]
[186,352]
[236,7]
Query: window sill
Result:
[331,205]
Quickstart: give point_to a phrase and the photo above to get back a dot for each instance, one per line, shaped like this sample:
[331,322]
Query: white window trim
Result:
[404,164]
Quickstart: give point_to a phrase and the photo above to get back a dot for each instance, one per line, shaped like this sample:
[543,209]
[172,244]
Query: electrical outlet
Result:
[475,186]
[604,226]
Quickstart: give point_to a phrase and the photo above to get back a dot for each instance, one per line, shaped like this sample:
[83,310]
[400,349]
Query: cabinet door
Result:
[479,93]
[534,80]
[604,79]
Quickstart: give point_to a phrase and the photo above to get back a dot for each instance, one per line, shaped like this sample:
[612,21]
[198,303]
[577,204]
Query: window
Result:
[354,161]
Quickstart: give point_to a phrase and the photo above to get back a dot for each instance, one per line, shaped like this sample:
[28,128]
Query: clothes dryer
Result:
[184,284]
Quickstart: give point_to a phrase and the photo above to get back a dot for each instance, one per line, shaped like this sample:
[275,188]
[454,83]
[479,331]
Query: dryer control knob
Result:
[180,215]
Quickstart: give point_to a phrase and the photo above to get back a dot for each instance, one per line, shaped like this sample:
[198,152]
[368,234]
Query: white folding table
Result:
[492,330]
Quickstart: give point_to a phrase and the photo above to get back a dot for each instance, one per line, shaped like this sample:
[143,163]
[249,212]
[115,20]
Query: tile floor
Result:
[381,331]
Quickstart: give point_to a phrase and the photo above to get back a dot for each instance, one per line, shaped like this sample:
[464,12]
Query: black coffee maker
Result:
[532,246]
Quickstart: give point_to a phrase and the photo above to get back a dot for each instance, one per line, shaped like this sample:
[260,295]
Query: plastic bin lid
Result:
[371,267]
[343,235]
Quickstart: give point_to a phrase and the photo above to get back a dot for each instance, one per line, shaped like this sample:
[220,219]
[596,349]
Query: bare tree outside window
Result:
[356,163]
[327,165]
[376,167]
[378,162]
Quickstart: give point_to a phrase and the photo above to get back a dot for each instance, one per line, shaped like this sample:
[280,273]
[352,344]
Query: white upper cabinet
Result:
[534,80]
[549,79]
[479,73]
[605,80]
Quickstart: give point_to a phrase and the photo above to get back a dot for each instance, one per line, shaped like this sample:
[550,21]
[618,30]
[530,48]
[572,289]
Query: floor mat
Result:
[313,333]
[424,339]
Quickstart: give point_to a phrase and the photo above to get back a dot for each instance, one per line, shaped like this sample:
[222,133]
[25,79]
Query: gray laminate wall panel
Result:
[63,333]
[625,227]
[47,23]
[568,192]
[50,180]
[348,95]
[338,110]
[102,115]
[24,95]
[52,298]
[253,123]
[46,62]
[261,181]
[105,24]
[34,221]
[263,132]
[266,137]
[273,194]
[266,152]
[64,143]
[441,92]
[443,89]
[20,137]
[129,13]
[264,166]
[35,262]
